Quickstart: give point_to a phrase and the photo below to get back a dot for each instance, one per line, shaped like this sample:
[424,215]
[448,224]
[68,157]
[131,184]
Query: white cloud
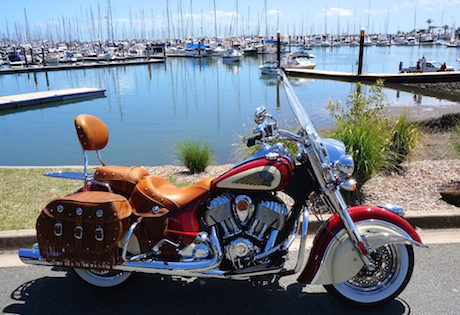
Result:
[401,6]
[339,12]
[274,12]
[335,12]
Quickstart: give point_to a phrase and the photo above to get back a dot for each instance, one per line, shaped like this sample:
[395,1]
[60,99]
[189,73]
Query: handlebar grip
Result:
[251,140]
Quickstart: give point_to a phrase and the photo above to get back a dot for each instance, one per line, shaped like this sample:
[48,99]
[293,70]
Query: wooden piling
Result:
[361,50]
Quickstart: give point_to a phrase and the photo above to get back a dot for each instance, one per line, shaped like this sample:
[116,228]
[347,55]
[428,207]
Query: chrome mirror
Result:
[259,115]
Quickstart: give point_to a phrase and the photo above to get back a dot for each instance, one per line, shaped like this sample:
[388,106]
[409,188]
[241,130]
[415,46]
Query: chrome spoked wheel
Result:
[394,266]
[103,279]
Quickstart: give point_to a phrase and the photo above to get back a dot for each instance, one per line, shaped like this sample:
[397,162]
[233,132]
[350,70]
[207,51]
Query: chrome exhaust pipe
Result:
[31,256]
[184,268]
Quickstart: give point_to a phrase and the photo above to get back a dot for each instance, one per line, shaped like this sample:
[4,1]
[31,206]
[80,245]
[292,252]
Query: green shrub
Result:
[368,135]
[195,155]
[363,128]
[405,136]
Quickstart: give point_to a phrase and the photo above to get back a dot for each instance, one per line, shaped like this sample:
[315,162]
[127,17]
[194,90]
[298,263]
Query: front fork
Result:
[357,239]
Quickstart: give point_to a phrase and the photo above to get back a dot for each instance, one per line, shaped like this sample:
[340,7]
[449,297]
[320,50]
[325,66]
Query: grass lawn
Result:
[25,191]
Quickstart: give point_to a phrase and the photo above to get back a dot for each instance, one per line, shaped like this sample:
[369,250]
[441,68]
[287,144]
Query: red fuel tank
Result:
[259,174]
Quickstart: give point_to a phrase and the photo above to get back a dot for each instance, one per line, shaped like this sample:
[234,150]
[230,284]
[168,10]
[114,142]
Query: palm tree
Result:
[445,27]
[429,21]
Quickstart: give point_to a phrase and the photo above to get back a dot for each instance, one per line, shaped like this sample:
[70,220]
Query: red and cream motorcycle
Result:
[125,221]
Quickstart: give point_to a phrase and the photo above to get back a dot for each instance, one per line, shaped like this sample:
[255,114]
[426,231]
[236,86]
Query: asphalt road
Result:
[433,289]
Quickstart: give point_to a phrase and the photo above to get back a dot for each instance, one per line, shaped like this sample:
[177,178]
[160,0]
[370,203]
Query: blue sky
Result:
[290,16]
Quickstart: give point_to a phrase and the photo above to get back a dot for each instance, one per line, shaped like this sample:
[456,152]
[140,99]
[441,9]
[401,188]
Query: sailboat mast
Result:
[27,26]
[325,24]
[369,17]
[338,22]
[354,22]
[215,19]
[237,18]
[249,28]
[191,16]
[266,23]
[111,22]
[167,15]
[108,19]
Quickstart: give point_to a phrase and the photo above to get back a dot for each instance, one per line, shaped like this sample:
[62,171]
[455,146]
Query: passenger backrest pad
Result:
[92,132]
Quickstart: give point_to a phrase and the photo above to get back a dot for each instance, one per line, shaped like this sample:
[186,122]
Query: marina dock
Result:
[76,66]
[445,76]
[27,99]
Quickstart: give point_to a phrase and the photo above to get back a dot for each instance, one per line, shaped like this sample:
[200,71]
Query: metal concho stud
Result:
[79,211]
[155,209]
[58,229]
[78,232]
[99,213]
[60,208]
[99,234]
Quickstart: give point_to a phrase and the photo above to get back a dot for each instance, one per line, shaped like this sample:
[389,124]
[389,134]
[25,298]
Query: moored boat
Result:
[303,53]
[269,68]
[52,58]
[219,51]
[431,66]
[14,59]
[232,56]
[197,51]
[298,63]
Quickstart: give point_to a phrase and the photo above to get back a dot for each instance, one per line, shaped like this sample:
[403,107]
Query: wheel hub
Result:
[384,269]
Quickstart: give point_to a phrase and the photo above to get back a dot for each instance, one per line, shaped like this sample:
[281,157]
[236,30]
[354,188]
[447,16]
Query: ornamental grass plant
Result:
[196,155]
[375,144]
[404,137]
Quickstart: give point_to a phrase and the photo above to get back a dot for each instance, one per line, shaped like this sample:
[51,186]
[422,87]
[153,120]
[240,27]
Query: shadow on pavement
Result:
[162,295]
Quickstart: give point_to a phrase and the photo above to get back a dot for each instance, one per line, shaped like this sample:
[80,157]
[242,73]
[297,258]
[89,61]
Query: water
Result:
[148,107]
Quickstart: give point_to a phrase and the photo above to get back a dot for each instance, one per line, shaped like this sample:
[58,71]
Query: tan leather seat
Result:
[122,179]
[156,190]
[93,136]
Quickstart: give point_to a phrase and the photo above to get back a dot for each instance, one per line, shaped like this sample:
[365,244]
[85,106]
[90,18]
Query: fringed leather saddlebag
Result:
[83,229]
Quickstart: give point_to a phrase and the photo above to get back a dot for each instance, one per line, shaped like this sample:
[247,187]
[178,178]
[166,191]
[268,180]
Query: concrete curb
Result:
[13,240]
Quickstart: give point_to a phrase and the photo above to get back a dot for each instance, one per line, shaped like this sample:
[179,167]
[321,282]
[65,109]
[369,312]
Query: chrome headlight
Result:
[345,166]
[343,169]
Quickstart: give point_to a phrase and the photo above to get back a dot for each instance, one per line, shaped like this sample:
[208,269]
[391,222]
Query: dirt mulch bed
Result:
[433,165]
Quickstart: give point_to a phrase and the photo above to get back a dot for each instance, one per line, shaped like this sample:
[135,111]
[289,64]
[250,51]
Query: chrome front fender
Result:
[333,258]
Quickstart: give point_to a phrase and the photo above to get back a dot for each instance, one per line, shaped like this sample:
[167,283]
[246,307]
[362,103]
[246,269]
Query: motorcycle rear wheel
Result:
[103,279]
[394,266]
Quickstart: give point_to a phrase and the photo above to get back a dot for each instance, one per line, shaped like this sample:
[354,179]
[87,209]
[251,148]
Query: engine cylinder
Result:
[245,235]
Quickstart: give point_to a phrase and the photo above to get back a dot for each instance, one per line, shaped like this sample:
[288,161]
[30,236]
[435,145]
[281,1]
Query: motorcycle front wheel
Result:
[394,266]
[103,279]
